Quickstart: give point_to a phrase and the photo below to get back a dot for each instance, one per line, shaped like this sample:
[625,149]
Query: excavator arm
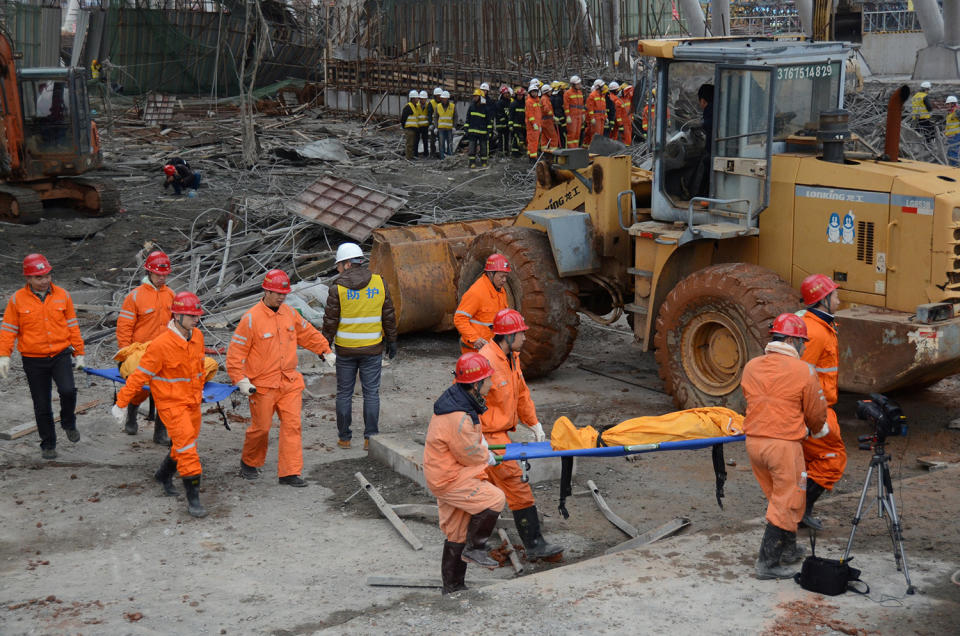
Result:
[11,115]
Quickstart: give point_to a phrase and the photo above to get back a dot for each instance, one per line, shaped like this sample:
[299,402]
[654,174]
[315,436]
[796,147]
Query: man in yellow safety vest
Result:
[920,111]
[952,132]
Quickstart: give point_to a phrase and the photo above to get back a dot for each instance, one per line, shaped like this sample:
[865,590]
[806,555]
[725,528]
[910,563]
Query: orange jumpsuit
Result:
[784,399]
[617,130]
[508,402]
[41,328]
[173,368]
[144,316]
[627,123]
[550,134]
[264,350]
[474,315]
[575,111]
[455,468]
[534,119]
[596,116]
[826,457]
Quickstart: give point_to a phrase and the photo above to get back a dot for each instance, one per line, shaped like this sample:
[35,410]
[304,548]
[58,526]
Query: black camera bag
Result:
[827,576]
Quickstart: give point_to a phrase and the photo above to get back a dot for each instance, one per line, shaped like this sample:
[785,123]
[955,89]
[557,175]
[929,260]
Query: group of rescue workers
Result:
[543,116]
[793,439]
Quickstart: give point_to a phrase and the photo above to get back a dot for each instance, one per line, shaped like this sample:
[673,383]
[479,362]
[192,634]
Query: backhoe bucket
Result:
[420,265]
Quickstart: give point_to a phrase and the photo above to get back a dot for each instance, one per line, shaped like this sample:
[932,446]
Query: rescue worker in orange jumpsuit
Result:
[596,112]
[508,403]
[551,138]
[262,361]
[617,124]
[143,316]
[481,302]
[173,367]
[533,114]
[626,98]
[784,404]
[826,457]
[40,319]
[455,461]
[575,111]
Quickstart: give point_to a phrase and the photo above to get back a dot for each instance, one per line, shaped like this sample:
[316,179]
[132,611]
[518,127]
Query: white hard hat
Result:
[423,94]
[413,95]
[484,87]
[444,95]
[546,88]
[598,82]
[925,85]
[348,251]
[575,79]
[614,86]
[437,90]
[533,87]
[952,99]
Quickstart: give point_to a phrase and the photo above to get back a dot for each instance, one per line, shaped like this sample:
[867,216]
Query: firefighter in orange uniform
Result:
[173,367]
[144,316]
[41,321]
[575,111]
[826,457]
[474,315]
[533,114]
[550,135]
[626,125]
[617,110]
[455,461]
[784,404]
[508,403]
[262,361]
[596,112]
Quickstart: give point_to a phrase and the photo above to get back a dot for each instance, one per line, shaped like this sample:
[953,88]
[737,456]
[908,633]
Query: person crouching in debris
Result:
[784,404]
[173,367]
[177,173]
[455,461]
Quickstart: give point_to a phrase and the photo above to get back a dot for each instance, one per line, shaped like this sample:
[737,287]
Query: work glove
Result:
[823,431]
[536,128]
[79,362]
[4,366]
[246,387]
[538,433]
[491,459]
[392,350]
[119,414]
[331,359]
[479,343]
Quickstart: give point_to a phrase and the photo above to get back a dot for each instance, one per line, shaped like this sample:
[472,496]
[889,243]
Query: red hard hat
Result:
[158,263]
[504,90]
[472,367]
[276,280]
[508,321]
[815,288]
[497,263]
[169,170]
[186,303]
[36,265]
[789,325]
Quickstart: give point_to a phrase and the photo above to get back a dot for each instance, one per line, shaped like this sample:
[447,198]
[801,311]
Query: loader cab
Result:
[58,136]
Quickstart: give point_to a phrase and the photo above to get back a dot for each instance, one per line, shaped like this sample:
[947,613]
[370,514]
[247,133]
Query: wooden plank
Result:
[611,516]
[514,559]
[388,512]
[411,581]
[650,536]
[28,427]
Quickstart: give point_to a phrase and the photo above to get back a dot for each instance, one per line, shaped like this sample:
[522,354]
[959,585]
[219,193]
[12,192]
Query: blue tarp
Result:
[539,450]
[212,391]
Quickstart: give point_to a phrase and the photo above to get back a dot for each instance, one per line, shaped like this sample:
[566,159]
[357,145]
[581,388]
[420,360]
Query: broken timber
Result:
[611,516]
[512,553]
[388,512]
[652,535]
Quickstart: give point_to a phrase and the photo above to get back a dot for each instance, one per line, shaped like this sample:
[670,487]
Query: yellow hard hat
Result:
[477,92]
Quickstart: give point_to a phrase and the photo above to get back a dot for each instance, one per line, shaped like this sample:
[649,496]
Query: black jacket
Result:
[456,398]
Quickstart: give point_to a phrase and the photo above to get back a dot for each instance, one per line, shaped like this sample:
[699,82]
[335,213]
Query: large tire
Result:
[534,288]
[710,325]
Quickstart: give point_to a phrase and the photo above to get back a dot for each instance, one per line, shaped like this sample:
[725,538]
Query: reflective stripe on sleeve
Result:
[187,447]
[480,322]
[827,369]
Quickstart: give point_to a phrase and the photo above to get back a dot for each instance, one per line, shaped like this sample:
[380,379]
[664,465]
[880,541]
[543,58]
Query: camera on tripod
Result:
[885,414]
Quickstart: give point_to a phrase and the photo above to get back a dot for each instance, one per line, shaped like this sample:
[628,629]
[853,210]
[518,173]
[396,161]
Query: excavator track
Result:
[19,205]
[107,191]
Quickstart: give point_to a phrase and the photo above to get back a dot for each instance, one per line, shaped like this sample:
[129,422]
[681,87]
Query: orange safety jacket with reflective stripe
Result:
[784,398]
[573,104]
[628,102]
[144,315]
[264,346]
[597,106]
[41,329]
[474,316]
[823,352]
[173,368]
[453,450]
[509,398]
[546,108]
[619,109]
[533,112]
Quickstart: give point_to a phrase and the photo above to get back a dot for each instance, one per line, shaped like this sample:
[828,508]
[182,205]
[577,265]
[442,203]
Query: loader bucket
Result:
[420,265]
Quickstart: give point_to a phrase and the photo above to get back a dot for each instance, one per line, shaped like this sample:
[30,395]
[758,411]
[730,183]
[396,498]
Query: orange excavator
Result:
[47,140]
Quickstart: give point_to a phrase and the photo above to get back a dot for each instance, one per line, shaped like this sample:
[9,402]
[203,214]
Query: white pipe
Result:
[805,12]
[931,21]
[696,22]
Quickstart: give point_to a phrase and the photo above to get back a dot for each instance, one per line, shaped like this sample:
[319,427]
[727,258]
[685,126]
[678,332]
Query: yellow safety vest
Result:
[918,108]
[953,124]
[360,311]
[413,121]
[445,116]
[422,116]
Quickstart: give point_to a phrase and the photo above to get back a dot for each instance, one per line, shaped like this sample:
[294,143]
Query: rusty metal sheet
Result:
[348,208]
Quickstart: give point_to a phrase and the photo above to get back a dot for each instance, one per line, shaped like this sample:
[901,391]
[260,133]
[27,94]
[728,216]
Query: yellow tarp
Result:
[714,421]
[129,358]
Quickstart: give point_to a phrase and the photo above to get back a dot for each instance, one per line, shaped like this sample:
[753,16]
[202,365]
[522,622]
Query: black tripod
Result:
[886,508]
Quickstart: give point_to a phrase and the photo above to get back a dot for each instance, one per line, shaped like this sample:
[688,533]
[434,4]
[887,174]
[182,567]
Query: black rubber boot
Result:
[249,472]
[768,561]
[814,490]
[528,527]
[792,553]
[160,432]
[165,476]
[452,567]
[130,428]
[192,486]
[478,531]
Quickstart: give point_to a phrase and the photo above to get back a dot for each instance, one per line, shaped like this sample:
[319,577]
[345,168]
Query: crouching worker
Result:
[173,367]
[178,173]
[784,405]
[455,461]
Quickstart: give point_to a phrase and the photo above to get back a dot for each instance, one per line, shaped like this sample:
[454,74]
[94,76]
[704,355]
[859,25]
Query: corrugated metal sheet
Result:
[35,32]
[350,209]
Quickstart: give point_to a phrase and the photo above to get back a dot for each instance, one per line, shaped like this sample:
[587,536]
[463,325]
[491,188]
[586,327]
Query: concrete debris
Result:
[325,149]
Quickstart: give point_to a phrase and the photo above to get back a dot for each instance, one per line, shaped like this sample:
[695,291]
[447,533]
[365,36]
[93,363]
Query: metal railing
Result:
[765,24]
[890,22]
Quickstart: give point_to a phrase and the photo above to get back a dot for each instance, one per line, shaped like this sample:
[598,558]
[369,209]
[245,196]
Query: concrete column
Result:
[720,17]
[931,21]
[951,23]
[805,12]
[696,22]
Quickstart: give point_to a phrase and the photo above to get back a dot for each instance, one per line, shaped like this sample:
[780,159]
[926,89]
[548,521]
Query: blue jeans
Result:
[368,367]
[446,142]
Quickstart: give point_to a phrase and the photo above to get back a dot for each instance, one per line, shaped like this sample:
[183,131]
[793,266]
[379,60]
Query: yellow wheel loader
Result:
[706,249]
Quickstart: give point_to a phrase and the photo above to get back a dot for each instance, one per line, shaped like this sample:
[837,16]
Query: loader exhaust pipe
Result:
[891,145]
[834,132]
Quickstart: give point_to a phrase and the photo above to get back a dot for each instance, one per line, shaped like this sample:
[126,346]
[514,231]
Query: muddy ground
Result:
[88,545]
